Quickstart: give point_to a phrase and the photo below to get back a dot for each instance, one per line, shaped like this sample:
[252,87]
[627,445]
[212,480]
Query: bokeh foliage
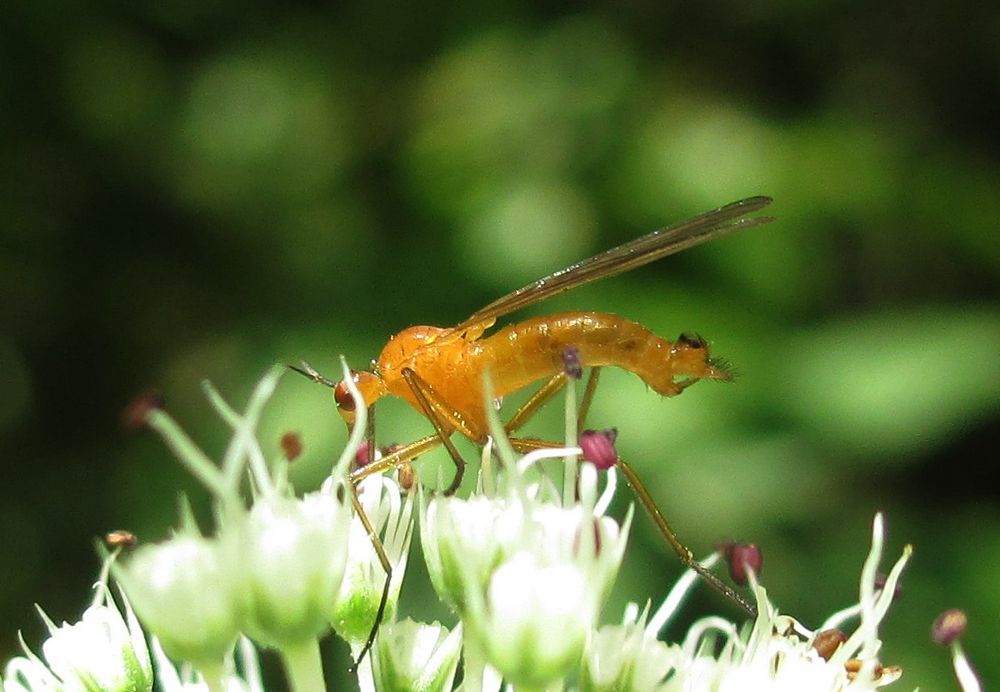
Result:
[196,190]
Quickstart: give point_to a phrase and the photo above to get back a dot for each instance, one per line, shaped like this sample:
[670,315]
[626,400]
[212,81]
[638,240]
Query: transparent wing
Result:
[635,253]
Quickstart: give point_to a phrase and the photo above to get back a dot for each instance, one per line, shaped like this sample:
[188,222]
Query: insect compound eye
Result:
[342,395]
[691,340]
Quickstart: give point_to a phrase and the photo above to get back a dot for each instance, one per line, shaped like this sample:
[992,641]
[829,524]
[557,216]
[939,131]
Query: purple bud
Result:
[742,557]
[571,362]
[949,626]
[361,456]
[599,447]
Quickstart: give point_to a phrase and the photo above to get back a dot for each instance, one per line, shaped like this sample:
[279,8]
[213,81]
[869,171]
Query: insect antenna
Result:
[311,373]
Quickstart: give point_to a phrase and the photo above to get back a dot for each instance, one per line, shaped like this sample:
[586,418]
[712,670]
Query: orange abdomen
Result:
[533,350]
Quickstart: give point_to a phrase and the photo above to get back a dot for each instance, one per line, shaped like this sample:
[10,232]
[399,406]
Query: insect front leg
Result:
[383,559]
[396,458]
[444,421]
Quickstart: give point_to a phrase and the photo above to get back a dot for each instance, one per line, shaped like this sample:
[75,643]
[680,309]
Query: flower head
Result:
[627,657]
[527,575]
[775,653]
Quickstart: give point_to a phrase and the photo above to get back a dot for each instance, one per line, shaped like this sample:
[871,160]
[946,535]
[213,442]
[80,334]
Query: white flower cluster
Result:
[526,572]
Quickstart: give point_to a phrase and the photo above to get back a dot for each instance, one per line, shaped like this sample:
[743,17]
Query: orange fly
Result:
[440,371]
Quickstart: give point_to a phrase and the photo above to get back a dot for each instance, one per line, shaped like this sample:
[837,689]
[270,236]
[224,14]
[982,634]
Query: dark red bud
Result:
[599,447]
[949,626]
[291,445]
[741,557]
[137,411]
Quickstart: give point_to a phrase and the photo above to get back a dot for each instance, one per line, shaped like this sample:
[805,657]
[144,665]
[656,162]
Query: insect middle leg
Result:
[545,394]
[383,560]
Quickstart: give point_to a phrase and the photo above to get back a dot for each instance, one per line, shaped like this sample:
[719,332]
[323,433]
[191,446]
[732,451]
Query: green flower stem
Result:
[191,457]
[569,473]
[967,678]
[303,666]
[214,678]
[244,441]
[500,438]
[473,665]
[554,687]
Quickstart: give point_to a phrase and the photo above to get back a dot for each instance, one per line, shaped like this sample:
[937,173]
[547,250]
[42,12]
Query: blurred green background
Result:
[199,189]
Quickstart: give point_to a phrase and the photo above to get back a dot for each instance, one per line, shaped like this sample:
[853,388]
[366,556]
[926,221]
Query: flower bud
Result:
[625,658]
[416,656]
[827,642]
[599,447]
[120,538]
[571,362]
[135,414]
[949,626]
[742,559]
[535,620]
[292,555]
[100,651]
[183,592]
[464,540]
[291,445]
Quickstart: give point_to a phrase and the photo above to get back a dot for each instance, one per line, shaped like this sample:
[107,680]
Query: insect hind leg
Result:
[685,555]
